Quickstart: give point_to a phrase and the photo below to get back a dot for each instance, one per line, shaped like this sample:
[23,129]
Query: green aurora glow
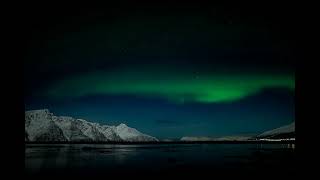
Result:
[171,84]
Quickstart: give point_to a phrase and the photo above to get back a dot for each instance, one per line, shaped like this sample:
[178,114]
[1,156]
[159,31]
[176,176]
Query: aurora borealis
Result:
[169,72]
[175,86]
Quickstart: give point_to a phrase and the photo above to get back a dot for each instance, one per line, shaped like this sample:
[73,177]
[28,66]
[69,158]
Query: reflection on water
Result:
[106,158]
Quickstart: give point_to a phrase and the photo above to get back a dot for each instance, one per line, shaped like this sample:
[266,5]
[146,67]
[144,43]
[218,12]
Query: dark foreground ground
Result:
[158,160]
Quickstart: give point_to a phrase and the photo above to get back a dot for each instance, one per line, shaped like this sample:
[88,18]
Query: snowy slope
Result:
[279,131]
[41,125]
[130,134]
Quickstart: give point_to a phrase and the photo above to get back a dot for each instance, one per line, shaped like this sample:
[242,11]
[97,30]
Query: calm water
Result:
[88,159]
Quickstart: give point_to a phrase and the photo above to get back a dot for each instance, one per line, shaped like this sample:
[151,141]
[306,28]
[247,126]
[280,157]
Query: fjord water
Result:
[88,159]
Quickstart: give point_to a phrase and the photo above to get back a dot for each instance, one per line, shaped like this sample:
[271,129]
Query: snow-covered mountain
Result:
[287,131]
[130,134]
[41,125]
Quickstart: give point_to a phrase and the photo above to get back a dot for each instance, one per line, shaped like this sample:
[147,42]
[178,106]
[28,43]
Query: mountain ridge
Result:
[42,125]
[283,131]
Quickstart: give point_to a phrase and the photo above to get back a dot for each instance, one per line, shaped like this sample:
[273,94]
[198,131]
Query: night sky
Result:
[167,71]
